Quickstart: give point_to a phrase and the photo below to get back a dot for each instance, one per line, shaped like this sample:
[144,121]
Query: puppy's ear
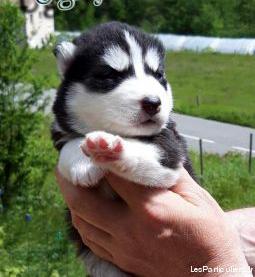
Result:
[64,52]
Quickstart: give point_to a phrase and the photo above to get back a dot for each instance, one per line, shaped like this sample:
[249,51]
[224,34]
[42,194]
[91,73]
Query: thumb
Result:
[185,182]
[133,194]
[192,192]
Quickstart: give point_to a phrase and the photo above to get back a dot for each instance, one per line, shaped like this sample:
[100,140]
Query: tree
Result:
[19,102]
[196,17]
[245,10]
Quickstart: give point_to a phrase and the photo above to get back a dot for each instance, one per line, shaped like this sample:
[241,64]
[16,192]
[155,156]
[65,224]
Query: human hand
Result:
[156,232]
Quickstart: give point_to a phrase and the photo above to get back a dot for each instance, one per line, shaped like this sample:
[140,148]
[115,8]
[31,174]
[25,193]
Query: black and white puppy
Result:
[112,113]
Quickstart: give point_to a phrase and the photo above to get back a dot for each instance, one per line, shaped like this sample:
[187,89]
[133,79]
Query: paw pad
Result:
[102,147]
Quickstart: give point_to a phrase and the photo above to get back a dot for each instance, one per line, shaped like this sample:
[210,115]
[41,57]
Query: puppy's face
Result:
[115,81]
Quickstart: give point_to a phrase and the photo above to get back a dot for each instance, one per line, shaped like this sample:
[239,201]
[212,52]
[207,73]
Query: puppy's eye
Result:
[105,74]
[159,75]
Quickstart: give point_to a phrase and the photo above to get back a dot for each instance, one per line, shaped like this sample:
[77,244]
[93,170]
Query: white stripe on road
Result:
[197,138]
[242,149]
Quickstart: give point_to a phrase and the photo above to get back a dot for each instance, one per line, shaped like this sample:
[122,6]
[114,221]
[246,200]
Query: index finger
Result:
[135,195]
[90,205]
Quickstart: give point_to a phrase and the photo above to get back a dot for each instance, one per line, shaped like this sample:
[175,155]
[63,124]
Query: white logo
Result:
[97,3]
[65,5]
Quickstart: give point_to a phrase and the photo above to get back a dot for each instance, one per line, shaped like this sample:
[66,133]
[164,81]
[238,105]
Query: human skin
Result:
[244,221]
[156,232]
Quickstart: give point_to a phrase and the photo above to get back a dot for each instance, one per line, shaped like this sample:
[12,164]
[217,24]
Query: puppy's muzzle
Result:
[151,105]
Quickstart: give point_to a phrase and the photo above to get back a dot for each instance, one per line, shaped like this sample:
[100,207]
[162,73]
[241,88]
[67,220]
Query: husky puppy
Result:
[112,113]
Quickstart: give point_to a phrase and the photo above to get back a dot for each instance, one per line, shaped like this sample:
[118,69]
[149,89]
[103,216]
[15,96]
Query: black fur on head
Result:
[88,67]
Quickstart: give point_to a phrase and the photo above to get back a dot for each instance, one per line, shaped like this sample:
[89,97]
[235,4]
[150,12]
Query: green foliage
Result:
[19,104]
[13,52]
[39,247]
[232,18]
[82,15]
[245,10]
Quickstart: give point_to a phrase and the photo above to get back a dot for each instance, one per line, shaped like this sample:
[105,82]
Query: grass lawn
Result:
[224,84]
[45,66]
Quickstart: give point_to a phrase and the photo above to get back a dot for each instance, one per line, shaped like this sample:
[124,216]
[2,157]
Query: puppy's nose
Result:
[151,105]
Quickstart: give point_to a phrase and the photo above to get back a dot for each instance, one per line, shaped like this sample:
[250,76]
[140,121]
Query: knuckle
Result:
[86,241]
[75,222]
[91,245]
[89,234]
[72,202]
[122,262]
[154,212]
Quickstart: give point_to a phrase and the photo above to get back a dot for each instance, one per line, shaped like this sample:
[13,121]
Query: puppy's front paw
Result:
[86,175]
[102,147]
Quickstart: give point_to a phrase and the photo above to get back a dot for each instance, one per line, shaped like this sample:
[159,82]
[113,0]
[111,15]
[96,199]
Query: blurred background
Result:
[210,63]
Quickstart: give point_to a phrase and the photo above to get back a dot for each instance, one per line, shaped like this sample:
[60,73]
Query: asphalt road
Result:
[217,137]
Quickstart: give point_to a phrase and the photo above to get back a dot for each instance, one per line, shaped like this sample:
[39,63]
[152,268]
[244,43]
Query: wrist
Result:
[229,264]
[229,259]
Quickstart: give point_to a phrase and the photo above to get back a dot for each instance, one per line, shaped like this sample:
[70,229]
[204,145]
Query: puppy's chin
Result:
[138,130]
[145,130]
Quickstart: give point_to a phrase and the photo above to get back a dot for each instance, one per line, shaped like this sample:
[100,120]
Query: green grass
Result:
[225,84]
[39,247]
[227,179]
[45,66]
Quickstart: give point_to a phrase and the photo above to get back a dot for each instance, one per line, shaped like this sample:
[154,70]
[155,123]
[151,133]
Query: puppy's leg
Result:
[76,167]
[97,267]
[131,159]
